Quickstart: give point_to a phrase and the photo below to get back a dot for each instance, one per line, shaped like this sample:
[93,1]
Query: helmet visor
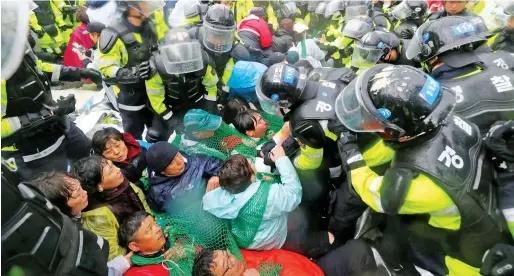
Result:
[182,57]
[311,5]
[15,30]
[288,8]
[364,57]
[355,11]
[268,105]
[147,7]
[402,11]
[217,38]
[351,112]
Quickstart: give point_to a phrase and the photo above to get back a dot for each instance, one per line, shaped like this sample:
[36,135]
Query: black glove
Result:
[222,99]
[499,138]
[336,127]
[498,261]
[144,70]
[406,33]
[66,27]
[92,74]
[265,152]
[51,30]
[331,50]
[40,33]
[290,146]
[65,106]
[351,157]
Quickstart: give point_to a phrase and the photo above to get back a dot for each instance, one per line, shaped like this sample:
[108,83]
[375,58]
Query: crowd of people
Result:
[279,137]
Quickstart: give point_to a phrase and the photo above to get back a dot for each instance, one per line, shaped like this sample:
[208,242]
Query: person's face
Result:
[149,238]
[176,167]
[95,37]
[111,177]
[115,150]
[78,199]
[225,264]
[260,127]
[203,134]
[454,6]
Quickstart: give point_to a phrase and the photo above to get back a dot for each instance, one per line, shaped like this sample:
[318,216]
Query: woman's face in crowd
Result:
[115,150]
[111,177]
[78,199]
[176,167]
[225,264]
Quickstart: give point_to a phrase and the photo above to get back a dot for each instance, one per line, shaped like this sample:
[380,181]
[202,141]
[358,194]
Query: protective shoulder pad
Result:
[208,60]
[346,75]
[395,185]
[194,33]
[108,38]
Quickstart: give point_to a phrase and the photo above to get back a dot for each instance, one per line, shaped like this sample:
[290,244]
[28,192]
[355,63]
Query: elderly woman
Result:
[66,193]
[124,151]
[112,198]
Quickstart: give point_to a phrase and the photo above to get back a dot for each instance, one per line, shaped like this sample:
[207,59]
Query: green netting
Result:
[192,229]
[249,218]
[269,269]
[225,142]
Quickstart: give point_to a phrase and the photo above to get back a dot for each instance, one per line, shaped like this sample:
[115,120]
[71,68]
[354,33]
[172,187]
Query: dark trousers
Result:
[135,115]
[74,146]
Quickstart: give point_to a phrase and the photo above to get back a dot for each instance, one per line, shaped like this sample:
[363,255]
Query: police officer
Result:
[354,30]
[46,21]
[438,156]
[379,47]
[37,238]
[410,15]
[445,48]
[195,14]
[217,38]
[186,79]
[452,8]
[125,50]
[36,132]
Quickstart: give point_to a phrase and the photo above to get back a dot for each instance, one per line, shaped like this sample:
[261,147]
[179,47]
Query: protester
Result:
[174,174]
[78,37]
[124,151]
[112,198]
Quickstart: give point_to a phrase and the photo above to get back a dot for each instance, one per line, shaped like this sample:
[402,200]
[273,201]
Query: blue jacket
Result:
[282,199]
[164,189]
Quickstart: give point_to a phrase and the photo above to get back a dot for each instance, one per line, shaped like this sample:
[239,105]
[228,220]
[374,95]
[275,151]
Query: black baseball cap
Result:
[94,27]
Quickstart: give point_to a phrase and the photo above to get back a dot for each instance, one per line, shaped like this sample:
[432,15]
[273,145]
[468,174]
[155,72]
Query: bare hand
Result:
[267,178]
[277,153]
[213,183]
[176,253]
[82,56]
[251,272]
[323,39]
[127,257]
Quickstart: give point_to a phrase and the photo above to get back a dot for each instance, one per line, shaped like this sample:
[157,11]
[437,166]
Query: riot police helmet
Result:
[444,34]
[280,86]
[179,53]
[410,9]
[358,27]
[398,102]
[219,28]
[373,47]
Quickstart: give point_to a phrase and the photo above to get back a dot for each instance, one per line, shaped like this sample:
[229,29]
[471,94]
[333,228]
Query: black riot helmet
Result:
[396,101]
[373,47]
[219,28]
[280,86]
[357,27]
[410,9]
[444,34]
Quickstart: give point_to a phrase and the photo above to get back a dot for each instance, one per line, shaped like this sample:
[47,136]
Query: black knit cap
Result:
[160,155]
